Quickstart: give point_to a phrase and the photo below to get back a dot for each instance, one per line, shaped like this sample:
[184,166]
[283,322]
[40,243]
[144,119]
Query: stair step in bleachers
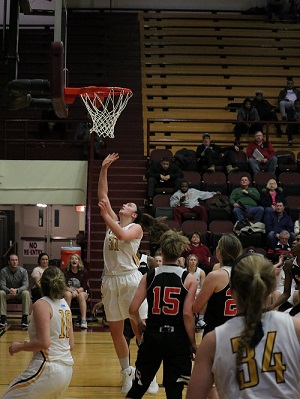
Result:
[195,65]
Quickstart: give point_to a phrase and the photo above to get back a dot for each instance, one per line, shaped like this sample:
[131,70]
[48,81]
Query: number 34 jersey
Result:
[270,370]
[60,325]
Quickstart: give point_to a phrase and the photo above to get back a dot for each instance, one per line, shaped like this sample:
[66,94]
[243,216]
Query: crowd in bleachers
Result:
[218,191]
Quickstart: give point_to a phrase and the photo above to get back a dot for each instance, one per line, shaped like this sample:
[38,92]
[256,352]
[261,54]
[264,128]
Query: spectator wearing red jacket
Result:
[261,152]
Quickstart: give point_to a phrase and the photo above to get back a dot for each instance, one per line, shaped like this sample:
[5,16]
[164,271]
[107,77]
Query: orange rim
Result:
[72,92]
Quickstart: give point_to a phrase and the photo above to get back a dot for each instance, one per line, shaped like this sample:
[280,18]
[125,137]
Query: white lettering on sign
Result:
[33,248]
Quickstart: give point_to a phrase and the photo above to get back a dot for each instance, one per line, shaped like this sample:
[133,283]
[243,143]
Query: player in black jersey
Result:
[169,334]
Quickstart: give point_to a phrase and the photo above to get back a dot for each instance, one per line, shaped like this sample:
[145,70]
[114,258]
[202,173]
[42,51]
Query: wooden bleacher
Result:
[201,65]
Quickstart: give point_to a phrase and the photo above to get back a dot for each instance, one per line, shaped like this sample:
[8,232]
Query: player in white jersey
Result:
[50,339]
[257,353]
[121,275]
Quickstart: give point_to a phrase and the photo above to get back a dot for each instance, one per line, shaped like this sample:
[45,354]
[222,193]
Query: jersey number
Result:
[113,244]
[170,304]
[65,323]
[271,362]
[230,306]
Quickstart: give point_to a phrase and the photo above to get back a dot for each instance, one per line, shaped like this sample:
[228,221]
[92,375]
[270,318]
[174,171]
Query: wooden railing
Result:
[174,134]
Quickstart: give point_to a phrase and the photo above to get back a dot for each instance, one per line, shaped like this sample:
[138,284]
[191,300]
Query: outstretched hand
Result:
[110,159]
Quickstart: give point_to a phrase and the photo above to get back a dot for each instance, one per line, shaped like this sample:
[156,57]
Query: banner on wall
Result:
[33,248]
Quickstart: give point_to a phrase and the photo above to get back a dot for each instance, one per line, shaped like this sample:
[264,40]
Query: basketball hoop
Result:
[104,105]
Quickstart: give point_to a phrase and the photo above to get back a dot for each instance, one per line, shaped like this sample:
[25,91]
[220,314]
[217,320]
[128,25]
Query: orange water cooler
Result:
[65,253]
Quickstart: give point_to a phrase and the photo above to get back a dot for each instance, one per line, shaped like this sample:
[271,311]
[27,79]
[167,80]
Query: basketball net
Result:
[104,113]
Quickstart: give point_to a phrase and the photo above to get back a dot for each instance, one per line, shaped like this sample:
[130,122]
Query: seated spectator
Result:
[275,7]
[209,155]
[14,286]
[200,250]
[277,221]
[296,226]
[43,261]
[293,115]
[244,200]
[295,8]
[287,97]
[187,200]
[83,132]
[77,285]
[251,250]
[280,246]
[53,128]
[261,152]
[270,195]
[247,113]
[162,174]
[266,111]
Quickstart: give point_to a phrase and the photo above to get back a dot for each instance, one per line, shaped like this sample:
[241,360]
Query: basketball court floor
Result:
[96,371]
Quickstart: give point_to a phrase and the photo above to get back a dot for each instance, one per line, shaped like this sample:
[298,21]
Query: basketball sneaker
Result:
[153,387]
[83,323]
[127,378]
[3,322]
[24,322]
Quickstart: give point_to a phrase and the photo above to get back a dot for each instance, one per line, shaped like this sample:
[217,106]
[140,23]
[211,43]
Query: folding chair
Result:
[286,161]
[234,179]
[290,182]
[293,206]
[161,205]
[261,179]
[215,212]
[193,178]
[217,228]
[189,226]
[215,181]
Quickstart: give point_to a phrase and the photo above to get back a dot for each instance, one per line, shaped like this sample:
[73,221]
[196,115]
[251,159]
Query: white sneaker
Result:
[83,323]
[153,387]
[127,378]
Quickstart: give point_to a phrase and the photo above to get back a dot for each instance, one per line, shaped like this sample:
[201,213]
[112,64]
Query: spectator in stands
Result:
[295,8]
[77,282]
[293,115]
[287,97]
[280,247]
[245,199]
[249,114]
[260,153]
[53,128]
[14,286]
[275,7]
[187,200]
[162,174]
[43,263]
[276,221]
[270,195]
[266,111]
[296,226]
[83,132]
[200,250]
[209,155]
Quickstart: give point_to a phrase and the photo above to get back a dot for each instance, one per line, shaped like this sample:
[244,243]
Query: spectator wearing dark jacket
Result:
[277,221]
[209,155]
[293,114]
[249,114]
[287,97]
[162,174]
[266,111]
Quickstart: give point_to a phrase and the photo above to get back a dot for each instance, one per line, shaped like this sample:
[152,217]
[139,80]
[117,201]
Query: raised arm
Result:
[102,182]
